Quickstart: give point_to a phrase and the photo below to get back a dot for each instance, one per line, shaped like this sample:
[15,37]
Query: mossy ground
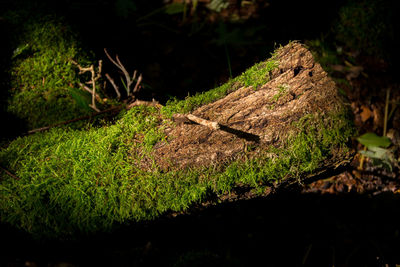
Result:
[75,181]
[44,84]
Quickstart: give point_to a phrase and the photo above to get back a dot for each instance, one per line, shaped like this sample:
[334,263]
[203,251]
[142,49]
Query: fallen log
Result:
[282,122]
[298,116]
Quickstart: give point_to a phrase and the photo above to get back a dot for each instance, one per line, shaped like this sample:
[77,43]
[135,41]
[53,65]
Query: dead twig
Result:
[94,78]
[192,118]
[211,124]
[42,129]
[138,102]
[10,173]
[117,108]
[111,80]
[385,121]
[137,86]
[129,80]
[98,98]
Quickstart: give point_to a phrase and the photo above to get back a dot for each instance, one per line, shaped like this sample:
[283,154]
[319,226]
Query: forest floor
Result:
[370,85]
[350,219]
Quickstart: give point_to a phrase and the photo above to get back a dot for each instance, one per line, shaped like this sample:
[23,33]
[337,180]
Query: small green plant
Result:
[255,76]
[377,150]
[218,5]
[377,147]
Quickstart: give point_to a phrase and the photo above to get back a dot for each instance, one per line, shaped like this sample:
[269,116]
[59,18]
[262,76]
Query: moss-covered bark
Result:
[147,164]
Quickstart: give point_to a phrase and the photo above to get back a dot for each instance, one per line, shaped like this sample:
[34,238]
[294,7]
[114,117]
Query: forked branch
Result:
[129,80]
[94,78]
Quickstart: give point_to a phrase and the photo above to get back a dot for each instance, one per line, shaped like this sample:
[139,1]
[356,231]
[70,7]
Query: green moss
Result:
[74,181]
[283,89]
[44,83]
[78,180]
[255,76]
[303,152]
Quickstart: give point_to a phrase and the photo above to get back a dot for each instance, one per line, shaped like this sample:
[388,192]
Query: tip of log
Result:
[298,89]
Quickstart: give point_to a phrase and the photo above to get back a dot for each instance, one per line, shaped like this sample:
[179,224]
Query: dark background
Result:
[182,56]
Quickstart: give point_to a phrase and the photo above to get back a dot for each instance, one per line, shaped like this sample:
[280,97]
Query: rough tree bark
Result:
[223,131]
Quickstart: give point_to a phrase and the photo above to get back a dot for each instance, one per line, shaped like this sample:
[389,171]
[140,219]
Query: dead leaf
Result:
[365,114]
[338,68]
[356,174]
[378,118]
[354,72]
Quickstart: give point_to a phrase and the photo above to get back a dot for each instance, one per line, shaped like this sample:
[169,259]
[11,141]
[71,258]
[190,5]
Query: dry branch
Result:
[111,80]
[10,173]
[98,98]
[138,102]
[42,129]
[190,117]
[129,80]
[94,77]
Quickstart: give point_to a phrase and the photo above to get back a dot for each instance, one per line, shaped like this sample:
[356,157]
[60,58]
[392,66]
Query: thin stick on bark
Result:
[211,124]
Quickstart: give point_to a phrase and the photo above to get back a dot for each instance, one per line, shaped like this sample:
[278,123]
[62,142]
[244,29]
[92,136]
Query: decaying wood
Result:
[223,130]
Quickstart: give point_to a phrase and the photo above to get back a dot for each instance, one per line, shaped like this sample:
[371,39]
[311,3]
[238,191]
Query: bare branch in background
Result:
[129,80]
[94,77]
[98,98]
[111,80]
[137,87]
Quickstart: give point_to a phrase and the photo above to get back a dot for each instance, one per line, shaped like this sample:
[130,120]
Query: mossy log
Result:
[253,123]
[280,122]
